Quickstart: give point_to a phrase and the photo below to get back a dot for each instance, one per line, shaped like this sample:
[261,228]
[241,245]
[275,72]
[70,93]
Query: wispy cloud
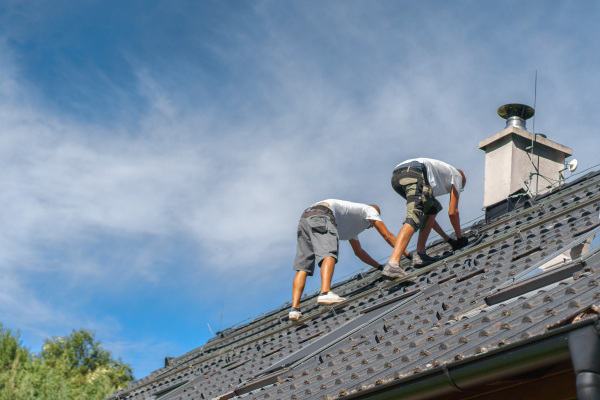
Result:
[183,190]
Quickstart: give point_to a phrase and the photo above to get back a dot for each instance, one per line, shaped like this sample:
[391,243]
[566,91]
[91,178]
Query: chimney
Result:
[512,156]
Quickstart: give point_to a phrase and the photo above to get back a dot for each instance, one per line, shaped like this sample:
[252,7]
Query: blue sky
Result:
[156,156]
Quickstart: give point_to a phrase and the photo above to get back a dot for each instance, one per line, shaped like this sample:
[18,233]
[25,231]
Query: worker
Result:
[419,181]
[321,227]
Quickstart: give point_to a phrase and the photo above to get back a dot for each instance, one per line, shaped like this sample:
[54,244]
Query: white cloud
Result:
[296,118]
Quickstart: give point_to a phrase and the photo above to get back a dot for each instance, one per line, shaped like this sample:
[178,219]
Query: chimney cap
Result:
[516,110]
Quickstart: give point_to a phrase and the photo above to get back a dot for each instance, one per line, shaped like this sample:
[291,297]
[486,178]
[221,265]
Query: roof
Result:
[461,320]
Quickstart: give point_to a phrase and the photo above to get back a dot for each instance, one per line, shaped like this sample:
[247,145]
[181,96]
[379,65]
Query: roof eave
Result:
[524,356]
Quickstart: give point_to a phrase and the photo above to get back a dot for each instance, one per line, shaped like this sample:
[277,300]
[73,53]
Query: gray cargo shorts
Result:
[317,239]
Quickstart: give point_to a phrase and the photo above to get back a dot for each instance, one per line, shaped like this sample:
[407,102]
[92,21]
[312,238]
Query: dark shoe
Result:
[421,259]
[392,270]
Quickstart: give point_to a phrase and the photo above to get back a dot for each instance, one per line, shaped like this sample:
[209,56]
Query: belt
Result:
[318,209]
[407,169]
[322,203]
[413,166]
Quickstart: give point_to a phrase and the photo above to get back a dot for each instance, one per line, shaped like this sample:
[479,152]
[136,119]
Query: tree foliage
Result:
[70,367]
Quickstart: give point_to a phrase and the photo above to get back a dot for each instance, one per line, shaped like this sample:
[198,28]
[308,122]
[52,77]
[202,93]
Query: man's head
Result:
[464,177]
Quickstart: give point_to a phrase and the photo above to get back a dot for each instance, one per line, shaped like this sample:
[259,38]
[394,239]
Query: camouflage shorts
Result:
[410,183]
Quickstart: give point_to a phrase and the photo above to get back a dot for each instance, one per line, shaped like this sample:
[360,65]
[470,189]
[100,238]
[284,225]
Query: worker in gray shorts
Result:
[420,181]
[321,227]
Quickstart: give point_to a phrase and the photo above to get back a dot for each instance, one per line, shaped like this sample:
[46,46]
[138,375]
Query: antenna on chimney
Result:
[537,169]
[534,103]
[221,319]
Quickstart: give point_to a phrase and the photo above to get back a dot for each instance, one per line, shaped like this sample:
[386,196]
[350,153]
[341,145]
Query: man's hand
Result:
[459,243]
[462,242]
[453,243]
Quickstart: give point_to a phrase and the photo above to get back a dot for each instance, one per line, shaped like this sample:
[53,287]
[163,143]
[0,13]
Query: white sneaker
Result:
[294,315]
[329,298]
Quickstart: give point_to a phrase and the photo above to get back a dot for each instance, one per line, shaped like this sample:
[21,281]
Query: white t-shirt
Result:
[351,218]
[441,176]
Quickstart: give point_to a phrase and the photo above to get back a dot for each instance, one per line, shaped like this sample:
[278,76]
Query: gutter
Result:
[573,342]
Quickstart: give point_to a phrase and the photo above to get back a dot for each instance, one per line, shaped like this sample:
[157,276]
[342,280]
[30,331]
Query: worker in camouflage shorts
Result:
[418,195]
[419,181]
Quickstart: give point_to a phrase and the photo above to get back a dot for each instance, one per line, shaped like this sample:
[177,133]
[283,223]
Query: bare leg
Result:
[298,288]
[404,236]
[424,234]
[327,268]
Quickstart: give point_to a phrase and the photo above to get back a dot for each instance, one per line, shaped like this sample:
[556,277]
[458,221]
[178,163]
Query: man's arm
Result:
[384,232]
[363,255]
[388,236]
[453,212]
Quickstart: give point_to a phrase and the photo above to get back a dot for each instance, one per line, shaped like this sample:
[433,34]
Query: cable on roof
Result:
[580,172]
[554,184]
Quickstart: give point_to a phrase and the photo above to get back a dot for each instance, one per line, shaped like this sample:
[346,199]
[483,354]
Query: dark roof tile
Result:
[388,331]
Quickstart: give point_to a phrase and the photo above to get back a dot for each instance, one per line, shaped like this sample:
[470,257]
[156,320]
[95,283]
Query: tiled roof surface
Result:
[389,332]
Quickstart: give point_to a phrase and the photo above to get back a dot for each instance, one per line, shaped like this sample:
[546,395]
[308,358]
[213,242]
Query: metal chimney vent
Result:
[516,115]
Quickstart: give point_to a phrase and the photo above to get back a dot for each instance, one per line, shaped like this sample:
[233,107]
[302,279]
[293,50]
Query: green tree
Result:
[15,362]
[11,348]
[81,360]
[74,367]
